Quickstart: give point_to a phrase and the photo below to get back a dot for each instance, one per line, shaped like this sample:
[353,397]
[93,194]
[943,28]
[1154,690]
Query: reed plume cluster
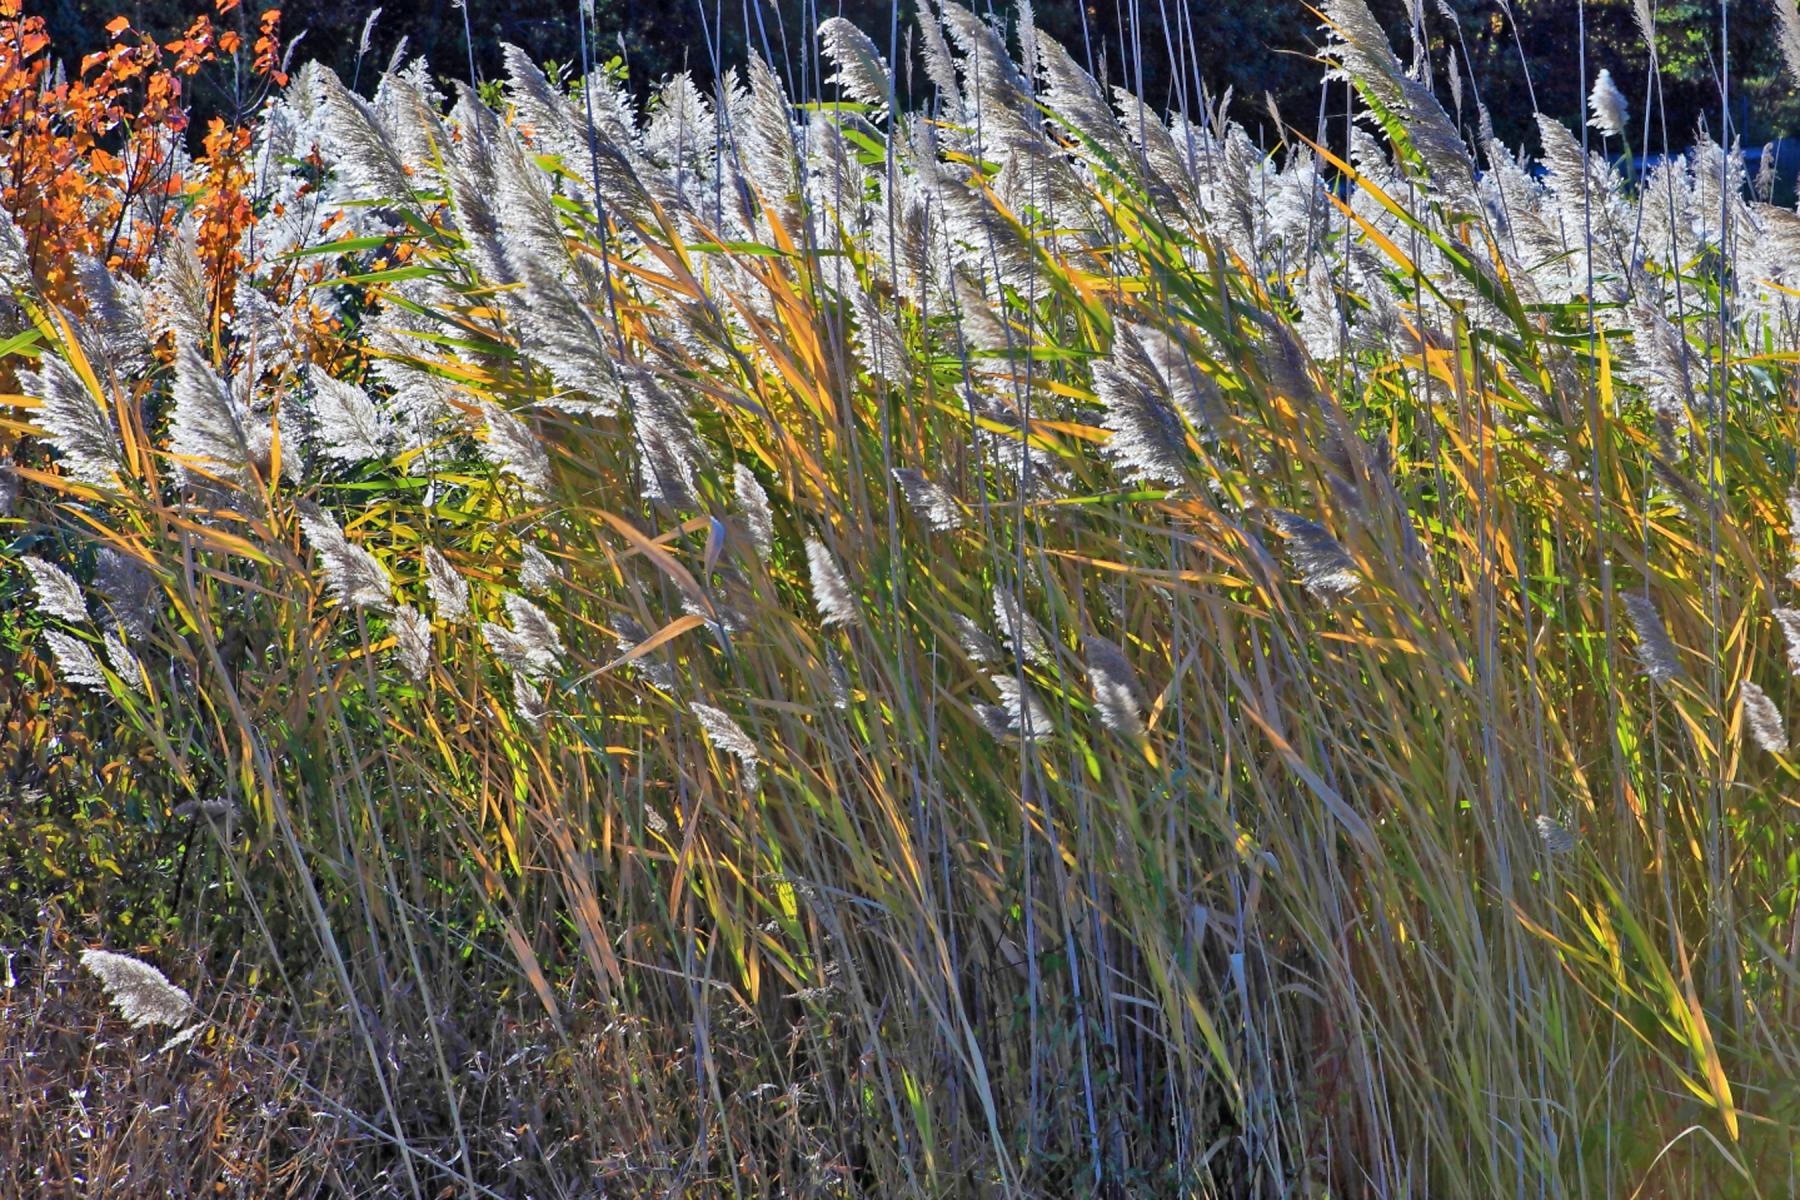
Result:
[1034,645]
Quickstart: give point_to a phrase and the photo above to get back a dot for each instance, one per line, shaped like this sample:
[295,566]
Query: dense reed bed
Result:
[765,645]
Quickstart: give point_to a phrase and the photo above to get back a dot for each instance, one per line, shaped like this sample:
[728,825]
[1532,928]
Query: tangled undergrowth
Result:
[772,646]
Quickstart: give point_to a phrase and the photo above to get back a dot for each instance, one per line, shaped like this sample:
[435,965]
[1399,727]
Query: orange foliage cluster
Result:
[224,209]
[86,164]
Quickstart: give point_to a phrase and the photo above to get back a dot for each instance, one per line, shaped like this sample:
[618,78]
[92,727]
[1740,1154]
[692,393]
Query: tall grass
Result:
[1034,647]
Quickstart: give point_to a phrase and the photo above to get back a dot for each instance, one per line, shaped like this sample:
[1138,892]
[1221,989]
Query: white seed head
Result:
[831,591]
[352,574]
[87,444]
[1656,650]
[975,641]
[76,661]
[537,574]
[1607,106]
[350,428]
[1020,714]
[758,519]
[58,594]
[1024,636]
[725,734]
[412,639]
[528,702]
[449,590]
[1325,567]
[934,505]
[861,71]
[1768,728]
[1557,839]
[213,431]
[1789,619]
[513,447]
[629,635]
[532,647]
[142,994]
[123,662]
[1117,693]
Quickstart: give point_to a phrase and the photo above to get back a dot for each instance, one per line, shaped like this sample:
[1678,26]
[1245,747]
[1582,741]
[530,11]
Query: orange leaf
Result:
[117,25]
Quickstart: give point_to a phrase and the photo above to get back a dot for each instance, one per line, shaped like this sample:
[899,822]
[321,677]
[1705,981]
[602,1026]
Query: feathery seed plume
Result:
[831,591]
[76,662]
[1558,841]
[682,129]
[673,452]
[629,635]
[352,574]
[113,334]
[1789,619]
[350,429]
[997,722]
[1074,95]
[1026,716]
[879,343]
[513,447]
[1360,46]
[368,29]
[765,134]
[1148,441]
[940,68]
[58,594]
[1646,23]
[1787,18]
[178,302]
[1655,648]
[212,426]
[561,333]
[725,734]
[15,258]
[934,505]
[1793,507]
[142,994]
[544,647]
[128,591]
[123,662]
[1117,693]
[755,502]
[87,444]
[1768,728]
[1024,636]
[368,154]
[975,641]
[449,590]
[528,702]
[1325,567]
[861,71]
[1606,103]
[537,574]
[412,639]
[513,651]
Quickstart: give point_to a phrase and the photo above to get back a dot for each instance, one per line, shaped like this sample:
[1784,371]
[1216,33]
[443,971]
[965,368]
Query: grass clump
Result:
[1032,647]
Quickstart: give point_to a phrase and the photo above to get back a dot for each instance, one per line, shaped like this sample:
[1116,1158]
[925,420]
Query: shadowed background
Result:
[1260,50]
